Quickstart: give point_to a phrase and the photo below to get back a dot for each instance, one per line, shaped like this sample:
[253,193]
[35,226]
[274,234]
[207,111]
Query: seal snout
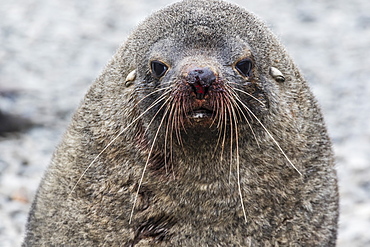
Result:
[200,80]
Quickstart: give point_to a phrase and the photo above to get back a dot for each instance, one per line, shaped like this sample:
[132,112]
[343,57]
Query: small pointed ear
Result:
[277,75]
[130,78]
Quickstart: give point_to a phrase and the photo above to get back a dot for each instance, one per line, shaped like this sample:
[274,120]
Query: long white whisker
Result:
[270,135]
[238,161]
[231,138]
[155,91]
[92,162]
[250,95]
[219,127]
[224,116]
[235,96]
[171,106]
[146,164]
[110,143]
[156,114]
[166,137]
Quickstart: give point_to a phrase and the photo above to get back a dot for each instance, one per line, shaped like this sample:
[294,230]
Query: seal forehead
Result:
[201,24]
[200,20]
[205,32]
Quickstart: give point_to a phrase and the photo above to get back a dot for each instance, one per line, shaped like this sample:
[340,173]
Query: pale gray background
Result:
[51,51]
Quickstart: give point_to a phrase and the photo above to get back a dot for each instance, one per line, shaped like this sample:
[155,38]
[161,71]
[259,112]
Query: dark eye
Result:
[244,66]
[158,68]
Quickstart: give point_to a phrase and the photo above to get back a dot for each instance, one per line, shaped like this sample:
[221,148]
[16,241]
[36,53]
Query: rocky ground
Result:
[51,51]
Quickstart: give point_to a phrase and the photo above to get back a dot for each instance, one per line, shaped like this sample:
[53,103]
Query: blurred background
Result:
[52,50]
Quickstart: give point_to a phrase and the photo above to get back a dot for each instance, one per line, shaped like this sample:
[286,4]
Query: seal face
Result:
[201,131]
[205,87]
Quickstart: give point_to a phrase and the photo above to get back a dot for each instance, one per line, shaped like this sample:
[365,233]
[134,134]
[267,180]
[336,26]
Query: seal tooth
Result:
[130,77]
[277,75]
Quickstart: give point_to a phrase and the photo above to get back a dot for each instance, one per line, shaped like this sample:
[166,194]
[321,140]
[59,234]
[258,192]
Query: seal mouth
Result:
[199,114]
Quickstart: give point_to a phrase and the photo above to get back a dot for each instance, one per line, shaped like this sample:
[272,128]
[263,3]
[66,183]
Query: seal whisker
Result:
[171,123]
[250,95]
[152,93]
[146,164]
[173,119]
[269,134]
[238,160]
[235,96]
[221,125]
[220,106]
[166,137]
[93,161]
[225,121]
[217,117]
[172,105]
[234,130]
[179,120]
[220,130]
[229,111]
[176,117]
[163,97]
[111,142]
[215,104]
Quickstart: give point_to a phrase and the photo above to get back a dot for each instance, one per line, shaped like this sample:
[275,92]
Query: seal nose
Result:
[201,79]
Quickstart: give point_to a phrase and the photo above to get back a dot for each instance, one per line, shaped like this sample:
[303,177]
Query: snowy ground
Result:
[51,50]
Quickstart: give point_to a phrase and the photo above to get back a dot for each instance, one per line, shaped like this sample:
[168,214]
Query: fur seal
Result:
[201,131]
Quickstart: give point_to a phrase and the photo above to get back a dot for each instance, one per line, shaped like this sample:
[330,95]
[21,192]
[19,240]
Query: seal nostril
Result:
[199,90]
[201,79]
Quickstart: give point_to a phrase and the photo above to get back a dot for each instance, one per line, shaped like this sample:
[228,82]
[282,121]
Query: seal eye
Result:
[244,67]
[158,68]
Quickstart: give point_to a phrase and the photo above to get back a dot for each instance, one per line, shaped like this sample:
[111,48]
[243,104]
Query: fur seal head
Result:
[204,75]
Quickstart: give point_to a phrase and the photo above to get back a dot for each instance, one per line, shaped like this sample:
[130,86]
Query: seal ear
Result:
[277,75]
[130,78]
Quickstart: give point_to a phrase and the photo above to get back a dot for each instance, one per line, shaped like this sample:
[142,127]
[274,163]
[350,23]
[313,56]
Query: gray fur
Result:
[192,199]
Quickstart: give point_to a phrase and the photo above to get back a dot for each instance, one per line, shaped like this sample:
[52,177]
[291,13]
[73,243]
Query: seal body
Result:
[201,131]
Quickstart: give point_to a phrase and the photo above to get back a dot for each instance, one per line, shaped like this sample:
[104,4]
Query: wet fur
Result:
[133,170]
